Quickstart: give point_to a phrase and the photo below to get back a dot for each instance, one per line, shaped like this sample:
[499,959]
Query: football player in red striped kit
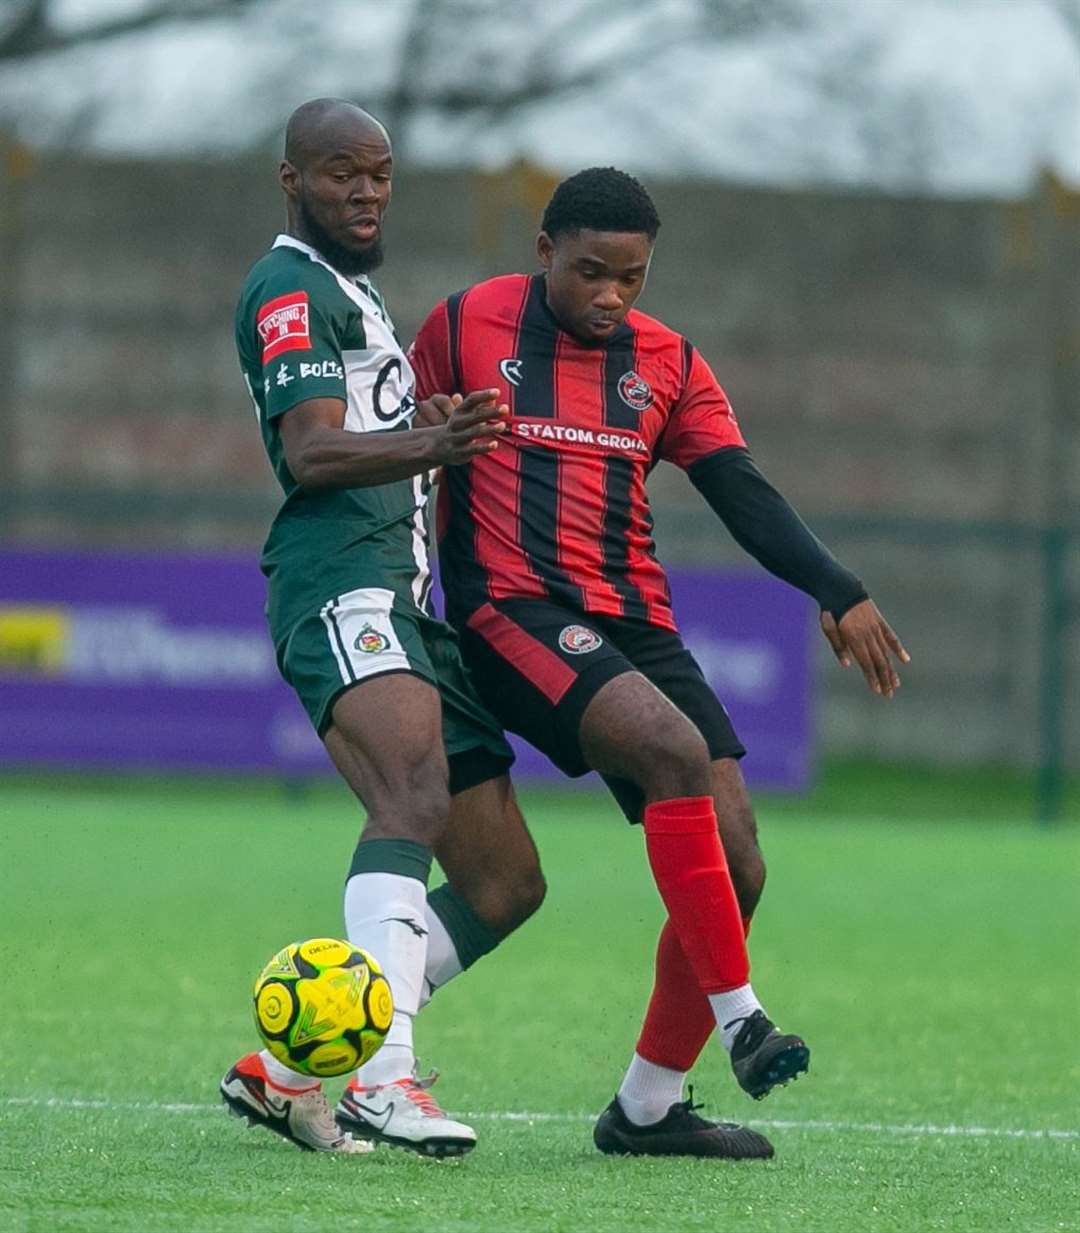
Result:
[566,624]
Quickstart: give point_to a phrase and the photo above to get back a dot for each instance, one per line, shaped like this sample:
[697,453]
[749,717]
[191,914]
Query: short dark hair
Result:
[600,199]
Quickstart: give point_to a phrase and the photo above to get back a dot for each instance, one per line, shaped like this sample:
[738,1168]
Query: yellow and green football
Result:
[323,1007]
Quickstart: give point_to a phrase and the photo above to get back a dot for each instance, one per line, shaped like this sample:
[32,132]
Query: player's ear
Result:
[289,178]
[545,249]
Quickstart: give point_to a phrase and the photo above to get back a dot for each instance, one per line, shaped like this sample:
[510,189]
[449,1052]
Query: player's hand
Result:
[863,635]
[433,412]
[472,427]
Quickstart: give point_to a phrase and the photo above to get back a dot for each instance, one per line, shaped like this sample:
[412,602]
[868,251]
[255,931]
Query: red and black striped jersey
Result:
[560,510]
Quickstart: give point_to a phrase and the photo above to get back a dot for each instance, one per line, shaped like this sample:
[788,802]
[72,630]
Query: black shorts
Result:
[538,665]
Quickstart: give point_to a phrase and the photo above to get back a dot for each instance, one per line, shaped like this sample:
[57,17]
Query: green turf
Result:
[930,960]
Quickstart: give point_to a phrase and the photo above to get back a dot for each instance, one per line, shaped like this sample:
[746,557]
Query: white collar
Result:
[290,241]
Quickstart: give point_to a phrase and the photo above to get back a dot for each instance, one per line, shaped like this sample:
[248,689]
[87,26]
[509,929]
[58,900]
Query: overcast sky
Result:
[942,96]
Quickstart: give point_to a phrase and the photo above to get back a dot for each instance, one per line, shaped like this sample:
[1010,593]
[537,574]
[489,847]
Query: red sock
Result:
[679,1020]
[691,873]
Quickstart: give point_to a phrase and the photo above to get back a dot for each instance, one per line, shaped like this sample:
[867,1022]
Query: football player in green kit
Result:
[380,676]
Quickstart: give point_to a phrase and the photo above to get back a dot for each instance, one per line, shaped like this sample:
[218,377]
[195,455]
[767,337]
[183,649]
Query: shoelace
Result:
[688,1105]
[321,1113]
[416,1091]
[427,1105]
[688,1109]
[755,1028]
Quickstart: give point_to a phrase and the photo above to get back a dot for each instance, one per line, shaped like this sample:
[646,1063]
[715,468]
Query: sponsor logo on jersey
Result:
[370,641]
[391,396]
[579,640]
[322,368]
[283,376]
[635,391]
[511,370]
[610,441]
[283,325]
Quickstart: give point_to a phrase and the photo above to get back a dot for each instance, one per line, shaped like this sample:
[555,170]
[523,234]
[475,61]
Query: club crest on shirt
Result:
[635,391]
[370,641]
[578,640]
[511,370]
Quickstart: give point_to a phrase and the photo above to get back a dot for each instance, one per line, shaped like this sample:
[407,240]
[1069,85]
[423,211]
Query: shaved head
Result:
[318,127]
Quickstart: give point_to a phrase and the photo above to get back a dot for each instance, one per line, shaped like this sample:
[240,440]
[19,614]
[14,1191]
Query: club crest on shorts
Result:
[370,641]
[578,640]
[635,391]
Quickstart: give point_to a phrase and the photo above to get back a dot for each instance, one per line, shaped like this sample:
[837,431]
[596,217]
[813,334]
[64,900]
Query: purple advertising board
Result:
[136,661]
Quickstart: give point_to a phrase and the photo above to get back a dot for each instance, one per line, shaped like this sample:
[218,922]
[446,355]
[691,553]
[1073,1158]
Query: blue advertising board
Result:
[146,661]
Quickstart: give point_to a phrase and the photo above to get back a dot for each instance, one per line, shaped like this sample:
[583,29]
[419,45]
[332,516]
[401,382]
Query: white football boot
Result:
[404,1114]
[302,1116]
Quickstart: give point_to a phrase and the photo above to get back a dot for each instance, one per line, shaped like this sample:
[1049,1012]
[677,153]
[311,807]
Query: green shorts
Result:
[372,631]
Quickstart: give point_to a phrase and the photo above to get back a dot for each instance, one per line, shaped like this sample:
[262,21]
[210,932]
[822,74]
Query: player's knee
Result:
[529,892]
[506,903]
[412,803]
[673,761]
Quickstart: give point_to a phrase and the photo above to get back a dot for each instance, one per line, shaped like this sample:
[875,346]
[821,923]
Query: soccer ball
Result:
[323,1007]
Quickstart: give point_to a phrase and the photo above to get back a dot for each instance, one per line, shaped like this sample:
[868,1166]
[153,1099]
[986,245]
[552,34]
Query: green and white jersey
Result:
[305,331]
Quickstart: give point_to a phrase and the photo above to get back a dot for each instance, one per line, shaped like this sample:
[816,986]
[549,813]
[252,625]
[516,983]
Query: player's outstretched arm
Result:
[321,454]
[766,526]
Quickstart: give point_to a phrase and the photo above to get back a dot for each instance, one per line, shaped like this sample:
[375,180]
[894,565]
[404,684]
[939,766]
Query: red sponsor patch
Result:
[283,325]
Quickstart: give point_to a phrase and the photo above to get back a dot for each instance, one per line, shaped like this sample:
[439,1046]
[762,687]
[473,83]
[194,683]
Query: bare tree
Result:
[1069,12]
[29,31]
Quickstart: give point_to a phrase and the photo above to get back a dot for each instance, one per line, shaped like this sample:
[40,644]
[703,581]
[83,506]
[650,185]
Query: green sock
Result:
[402,856]
[467,935]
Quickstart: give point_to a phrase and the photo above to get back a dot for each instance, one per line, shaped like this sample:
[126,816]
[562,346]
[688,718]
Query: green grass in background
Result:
[930,961]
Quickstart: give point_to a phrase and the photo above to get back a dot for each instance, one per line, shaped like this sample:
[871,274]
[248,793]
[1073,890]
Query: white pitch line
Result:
[882,1128]
[971,1132]
[125,1106]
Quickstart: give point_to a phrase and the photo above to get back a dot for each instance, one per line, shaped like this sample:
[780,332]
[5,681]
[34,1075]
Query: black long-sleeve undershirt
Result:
[767,527]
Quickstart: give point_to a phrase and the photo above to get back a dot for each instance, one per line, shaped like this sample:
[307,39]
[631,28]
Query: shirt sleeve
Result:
[430,356]
[702,420]
[300,349]
[767,527]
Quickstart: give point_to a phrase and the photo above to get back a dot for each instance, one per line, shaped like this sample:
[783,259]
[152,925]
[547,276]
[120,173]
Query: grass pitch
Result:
[920,932]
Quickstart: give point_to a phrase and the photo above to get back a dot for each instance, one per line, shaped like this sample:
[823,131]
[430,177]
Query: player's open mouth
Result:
[364,228]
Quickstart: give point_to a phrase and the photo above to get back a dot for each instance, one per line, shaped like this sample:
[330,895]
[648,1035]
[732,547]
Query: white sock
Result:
[648,1091]
[443,963]
[281,1076]
[395,1058]
[385,913]
[730,1009]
